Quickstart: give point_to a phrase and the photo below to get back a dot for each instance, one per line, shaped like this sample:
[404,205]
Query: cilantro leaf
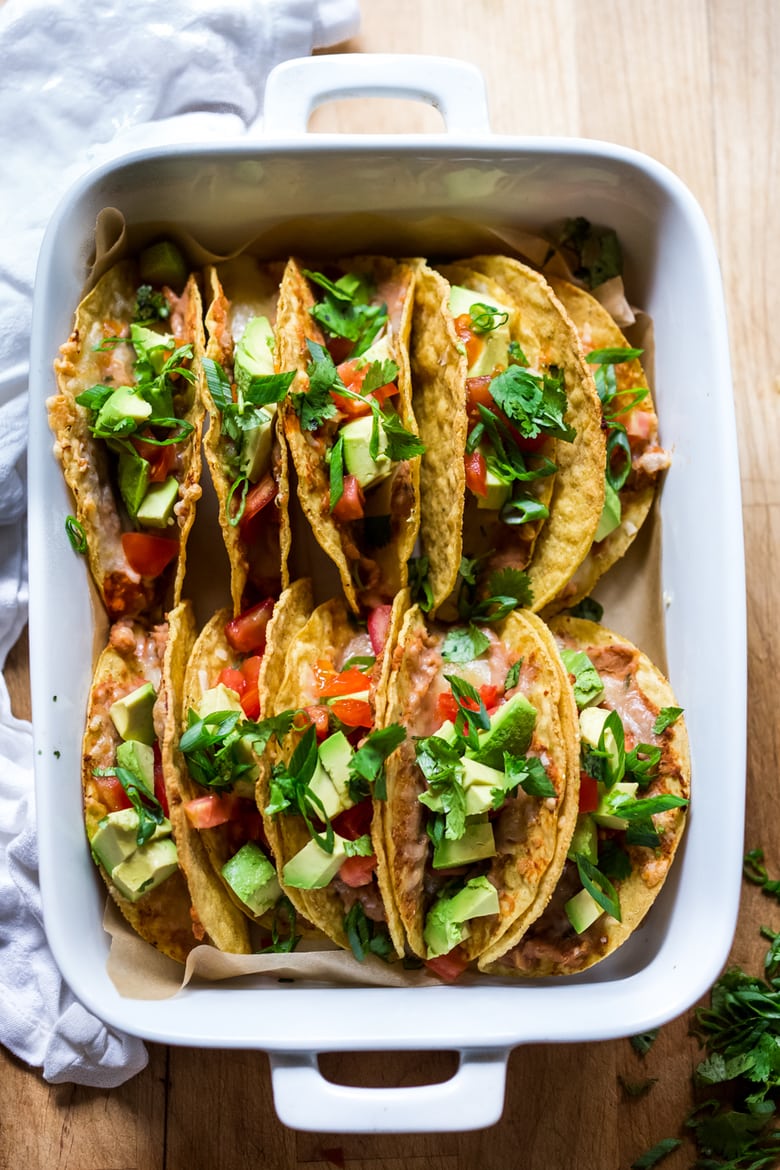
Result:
[472,714]
[464,644]
[150,305]
[589,609]
[282,943]
[655,1155]
[528,773]
[513,675]
[441,765]
[419,585]
[344,310]
[290,791]
[644,1041]
[401,444]
[367,764]
[379,374]
[535,403]
[315,405]
[598,256]
[587,681]
[366,937]
[665,718]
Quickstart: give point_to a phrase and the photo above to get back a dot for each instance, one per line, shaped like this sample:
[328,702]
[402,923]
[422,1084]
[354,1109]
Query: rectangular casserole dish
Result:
[227,194]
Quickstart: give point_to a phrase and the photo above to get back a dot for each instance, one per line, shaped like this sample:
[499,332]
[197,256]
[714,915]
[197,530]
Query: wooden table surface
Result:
[694,83]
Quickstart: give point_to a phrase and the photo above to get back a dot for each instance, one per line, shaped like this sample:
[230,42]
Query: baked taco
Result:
[348,419]
[634,791]
[482,794]
[321,789]
[211,757]
[513,473]
[127,421]
[635,459]
[244,447]
[125,807]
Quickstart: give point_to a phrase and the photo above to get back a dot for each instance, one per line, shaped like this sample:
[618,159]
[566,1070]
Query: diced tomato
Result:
[250,697]
[589,793]
[353,373]
[250,703]
[159,781]
[478,394]
[476,473]
[206,812]
[379,626]
[358,871]
[259,496]
[148,554]
[232,678]
[356,821]
[464,327]
[111,793]
[348,682]
[339,349]
[319,716]
[490,694]
[161,460]
[246,633]
[448,967]
[353,712]
[350,406]
[351,505]
[639,424]
[447,706]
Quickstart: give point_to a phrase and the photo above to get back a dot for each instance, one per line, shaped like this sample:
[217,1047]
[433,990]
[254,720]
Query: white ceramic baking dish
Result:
[228,193]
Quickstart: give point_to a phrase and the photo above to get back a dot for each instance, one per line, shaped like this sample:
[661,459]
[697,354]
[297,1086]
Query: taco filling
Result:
[127,421]
[477,792]
[349,421]
[634,786]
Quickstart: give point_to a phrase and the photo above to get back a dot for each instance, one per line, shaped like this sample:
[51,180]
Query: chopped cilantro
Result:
[598,256]
[644,1041]
[598,886]
[464,644]
[344,310]
[366,768]
[536,404]
[665,718]
[513,675]
[366,937]
[655,1155]
[589,609]
[419,585]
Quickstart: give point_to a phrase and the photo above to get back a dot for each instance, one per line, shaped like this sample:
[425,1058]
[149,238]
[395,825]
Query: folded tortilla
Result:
[598,331]
[637,690]
[198,663]
[531,832]
[257,548]
[135,653]
[329,639]
[548,550]
[370,552]
[90,358]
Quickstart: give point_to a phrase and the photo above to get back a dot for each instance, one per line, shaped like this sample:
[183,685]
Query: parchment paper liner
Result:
[630,592]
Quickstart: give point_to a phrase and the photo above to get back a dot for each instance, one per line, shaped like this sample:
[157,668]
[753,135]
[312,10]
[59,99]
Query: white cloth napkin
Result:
[82,82]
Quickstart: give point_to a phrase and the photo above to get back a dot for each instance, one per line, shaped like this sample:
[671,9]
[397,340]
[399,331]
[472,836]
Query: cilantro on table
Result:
[655,1155]
[345,309]
[644,1041]
[597,252]
[754,870]
[513,675]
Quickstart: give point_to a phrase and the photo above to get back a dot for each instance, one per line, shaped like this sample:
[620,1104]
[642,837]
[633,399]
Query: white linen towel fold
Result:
[81,83]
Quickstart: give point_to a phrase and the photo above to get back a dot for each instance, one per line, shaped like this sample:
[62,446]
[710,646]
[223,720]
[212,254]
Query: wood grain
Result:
[694,84]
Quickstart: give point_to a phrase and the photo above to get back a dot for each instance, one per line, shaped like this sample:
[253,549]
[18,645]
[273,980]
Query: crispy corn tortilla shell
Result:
[597,330]
[223,913]
[163,916]
[199,853]
[238,290]
[548,337]
[395,282]
[85,460]
[325,635]
[542,828]
[650,867]
[482,530]
[439,379]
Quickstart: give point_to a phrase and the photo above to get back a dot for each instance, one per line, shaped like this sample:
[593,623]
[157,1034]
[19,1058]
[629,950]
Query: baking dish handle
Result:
[471,1099]
[295,88]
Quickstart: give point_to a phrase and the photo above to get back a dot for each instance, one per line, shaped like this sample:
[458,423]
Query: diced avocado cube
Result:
[132,714]
[312,868]
[585,839]
[479,780]
[252,877]
[256,446]
[336,754]
[334,800]
[162,263]
[607,814]
[133,477]
[148,867]
[588,687]
[498,491]
[124,402]
[511,728]
[582,911]
[148,343]
[592,720]
[157,505]
[494,351]
[610,514]
[444,924]
[244,754]
[447,731]
[379,351]
[357,454]
[138,758]
[116,837]
[218,698]
[254,354]
[476,843]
